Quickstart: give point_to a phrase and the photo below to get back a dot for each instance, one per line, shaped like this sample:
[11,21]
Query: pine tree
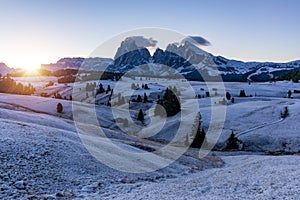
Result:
[59,108]
[139,98]
[101,89]
[289,94]
[199,139]
[285,113]
[199,136]
[232,100]
[170,103]
[228,96]
[146,87]
[145,98]
[140,115]
[108,89]
[232,142]
[242,93]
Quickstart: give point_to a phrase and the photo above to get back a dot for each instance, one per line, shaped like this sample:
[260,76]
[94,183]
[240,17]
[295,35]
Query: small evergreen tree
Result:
[108,89]
[101,88]
[146,87]
[207,94]
[232,100]
[232,142]
[242,93]
[145,98]
[285,113]
[289,94]
[140,116]
[228,96]
[199,139]
[139,98]
[59,108]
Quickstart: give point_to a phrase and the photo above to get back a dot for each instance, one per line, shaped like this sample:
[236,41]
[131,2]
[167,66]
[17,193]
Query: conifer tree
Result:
[140,115]
[59,108]
[232,142]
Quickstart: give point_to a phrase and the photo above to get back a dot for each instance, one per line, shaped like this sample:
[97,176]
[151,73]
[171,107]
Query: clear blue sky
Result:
[34,32]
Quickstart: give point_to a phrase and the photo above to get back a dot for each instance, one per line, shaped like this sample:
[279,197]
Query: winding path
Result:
[258,127]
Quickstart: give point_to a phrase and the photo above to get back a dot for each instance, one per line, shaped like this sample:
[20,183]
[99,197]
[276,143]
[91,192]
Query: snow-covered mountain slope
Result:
[5,70]
[88,64]
[256,71]
[257,120]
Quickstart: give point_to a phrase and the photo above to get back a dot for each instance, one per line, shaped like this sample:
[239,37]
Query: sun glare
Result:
[28,63]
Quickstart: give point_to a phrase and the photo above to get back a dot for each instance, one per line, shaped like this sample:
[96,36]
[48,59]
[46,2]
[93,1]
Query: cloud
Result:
[141,41]
[197,40]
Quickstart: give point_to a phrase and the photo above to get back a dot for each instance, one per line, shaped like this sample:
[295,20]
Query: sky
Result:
[36,31]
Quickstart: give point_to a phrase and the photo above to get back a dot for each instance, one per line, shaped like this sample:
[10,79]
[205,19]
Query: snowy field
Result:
[42,155]
[243,177]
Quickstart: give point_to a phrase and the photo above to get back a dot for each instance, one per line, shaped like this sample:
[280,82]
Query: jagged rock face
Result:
[129,55]
[169,58]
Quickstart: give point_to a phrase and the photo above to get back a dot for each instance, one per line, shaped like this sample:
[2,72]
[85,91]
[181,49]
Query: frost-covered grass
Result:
[42,155]
[243,177]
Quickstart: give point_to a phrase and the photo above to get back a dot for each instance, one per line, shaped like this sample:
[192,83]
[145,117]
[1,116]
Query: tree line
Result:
[9,85]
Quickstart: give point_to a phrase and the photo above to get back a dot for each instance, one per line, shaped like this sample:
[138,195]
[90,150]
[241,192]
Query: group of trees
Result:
[136,86]
[293,75]
[101,89]
[90,86]
[139,99]
[8,85]
[169,102]
[67,79]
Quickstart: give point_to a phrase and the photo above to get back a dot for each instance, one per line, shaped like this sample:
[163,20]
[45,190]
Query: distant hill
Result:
[5,70]
[89,64]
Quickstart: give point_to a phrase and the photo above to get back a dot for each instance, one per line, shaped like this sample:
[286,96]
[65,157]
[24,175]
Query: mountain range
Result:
[186,59]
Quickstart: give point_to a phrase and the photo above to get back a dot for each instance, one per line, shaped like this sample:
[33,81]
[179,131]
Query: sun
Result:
[29,64]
